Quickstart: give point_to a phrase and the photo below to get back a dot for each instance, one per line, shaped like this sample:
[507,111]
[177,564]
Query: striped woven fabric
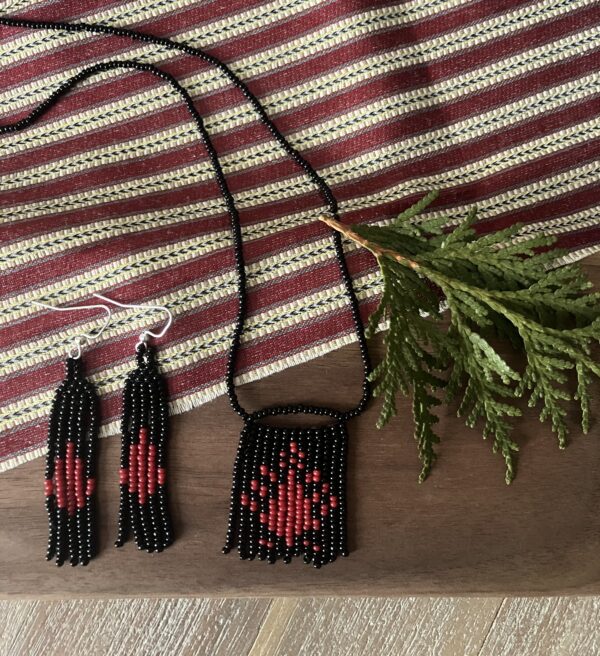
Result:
[493,102]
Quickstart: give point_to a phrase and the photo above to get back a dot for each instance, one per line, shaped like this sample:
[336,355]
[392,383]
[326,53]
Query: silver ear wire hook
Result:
[147,333]
[81,339]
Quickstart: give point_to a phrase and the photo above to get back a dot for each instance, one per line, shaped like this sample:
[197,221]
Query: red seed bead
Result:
[264,518]
[282,465]
[162,475]
[333,501]
[244,500]
[263,490]
[282,454]
[301,465]
[264,470]
[316,547]
[316,497]
[254,484]
[301,454]
[48,487]
[316,475]
[308,478]
[324,510]
[262,542]
[90,487]
[273,477]
[270,545]
[293,461]
[307,526]
[293,447]
[253,506]
[325,487]
[316,524]
[123,476]
[306,543]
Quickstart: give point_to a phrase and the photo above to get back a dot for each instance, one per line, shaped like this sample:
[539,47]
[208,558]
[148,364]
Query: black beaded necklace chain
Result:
[288,491]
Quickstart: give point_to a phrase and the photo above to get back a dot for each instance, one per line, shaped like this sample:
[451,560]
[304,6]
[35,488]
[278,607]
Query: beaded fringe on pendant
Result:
[143,507]
[288,494]
[70,468]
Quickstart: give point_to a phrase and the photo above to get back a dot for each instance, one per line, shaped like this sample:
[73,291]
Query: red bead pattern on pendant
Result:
[289,512]
[287,489]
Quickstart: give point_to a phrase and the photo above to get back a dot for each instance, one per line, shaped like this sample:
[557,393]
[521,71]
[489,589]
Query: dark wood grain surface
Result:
[461,532]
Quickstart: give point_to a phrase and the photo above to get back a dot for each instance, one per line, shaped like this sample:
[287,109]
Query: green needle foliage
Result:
[494,285]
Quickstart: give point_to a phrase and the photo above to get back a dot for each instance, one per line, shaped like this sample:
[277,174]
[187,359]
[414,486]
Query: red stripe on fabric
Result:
[553,208]
[69,10]
[587,237]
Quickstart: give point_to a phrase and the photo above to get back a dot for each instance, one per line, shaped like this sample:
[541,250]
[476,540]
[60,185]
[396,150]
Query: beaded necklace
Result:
[288,491]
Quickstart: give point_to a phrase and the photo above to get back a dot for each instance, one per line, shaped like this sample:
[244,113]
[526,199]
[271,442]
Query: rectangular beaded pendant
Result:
[288,495]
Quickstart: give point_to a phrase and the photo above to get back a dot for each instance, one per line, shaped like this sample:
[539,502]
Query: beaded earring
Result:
[143,506]
[70,482]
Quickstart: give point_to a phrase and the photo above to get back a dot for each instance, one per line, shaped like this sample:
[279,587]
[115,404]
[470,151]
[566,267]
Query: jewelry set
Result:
[288,496]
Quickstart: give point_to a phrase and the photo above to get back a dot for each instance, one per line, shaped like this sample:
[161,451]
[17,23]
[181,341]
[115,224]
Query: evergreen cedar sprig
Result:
[498,284]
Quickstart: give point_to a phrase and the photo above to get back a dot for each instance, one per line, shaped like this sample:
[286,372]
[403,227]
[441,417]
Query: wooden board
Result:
[462,532]
[338,626]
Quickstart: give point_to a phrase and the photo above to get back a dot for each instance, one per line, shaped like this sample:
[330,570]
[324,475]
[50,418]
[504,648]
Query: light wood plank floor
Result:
[410,626]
